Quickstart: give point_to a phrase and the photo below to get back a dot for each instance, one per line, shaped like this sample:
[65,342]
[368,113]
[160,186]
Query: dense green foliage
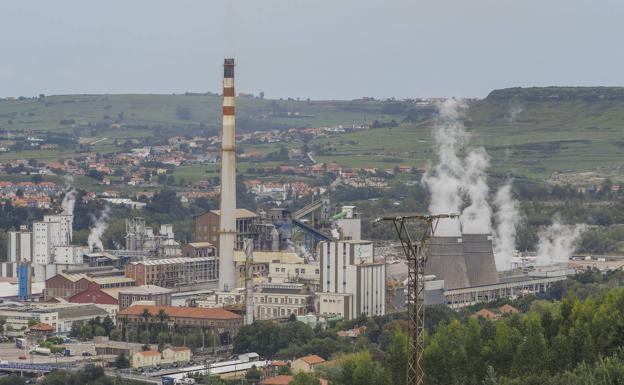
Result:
[549,339]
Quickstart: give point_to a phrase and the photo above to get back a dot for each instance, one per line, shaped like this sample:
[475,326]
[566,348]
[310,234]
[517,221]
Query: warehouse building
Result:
[174,273]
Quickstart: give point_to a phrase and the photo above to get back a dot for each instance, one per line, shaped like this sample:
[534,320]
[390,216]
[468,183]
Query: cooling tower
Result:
[445,260]
[227,223]
[479,257]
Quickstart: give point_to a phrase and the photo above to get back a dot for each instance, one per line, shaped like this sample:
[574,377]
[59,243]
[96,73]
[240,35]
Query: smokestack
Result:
[249,315]
[227,224]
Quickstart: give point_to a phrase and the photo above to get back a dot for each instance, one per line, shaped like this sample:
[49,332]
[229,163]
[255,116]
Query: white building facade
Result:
[349,267]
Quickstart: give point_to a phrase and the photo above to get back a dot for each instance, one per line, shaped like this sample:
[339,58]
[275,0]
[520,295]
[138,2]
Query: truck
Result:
[40,350]
[20,343]
[68,352]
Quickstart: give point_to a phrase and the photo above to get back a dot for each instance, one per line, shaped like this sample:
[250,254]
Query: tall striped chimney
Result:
[227,225]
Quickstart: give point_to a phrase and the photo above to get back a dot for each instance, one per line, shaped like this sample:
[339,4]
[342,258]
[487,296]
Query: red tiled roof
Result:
[181,312]
[279,363]
[148,353]
[312,359]
[42,327]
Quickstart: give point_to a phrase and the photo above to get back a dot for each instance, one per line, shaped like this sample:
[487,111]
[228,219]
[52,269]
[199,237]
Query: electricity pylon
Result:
[416,256]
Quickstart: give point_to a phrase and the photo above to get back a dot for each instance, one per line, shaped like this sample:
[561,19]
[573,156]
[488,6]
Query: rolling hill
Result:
[557,133]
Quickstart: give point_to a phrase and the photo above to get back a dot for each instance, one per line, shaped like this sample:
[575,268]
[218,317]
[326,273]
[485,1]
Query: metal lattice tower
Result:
[416,256]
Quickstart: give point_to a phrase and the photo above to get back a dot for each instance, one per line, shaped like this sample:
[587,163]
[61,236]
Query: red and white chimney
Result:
[227,225]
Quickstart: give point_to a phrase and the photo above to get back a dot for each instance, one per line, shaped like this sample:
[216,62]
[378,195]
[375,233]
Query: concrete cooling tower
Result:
[445,260]
[462,261]
[479,257]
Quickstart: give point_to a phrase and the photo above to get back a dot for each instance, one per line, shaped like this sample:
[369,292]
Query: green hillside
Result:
[537,131]
[60,113]
[528,132]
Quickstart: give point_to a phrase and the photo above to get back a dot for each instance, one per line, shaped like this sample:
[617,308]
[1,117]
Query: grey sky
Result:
[312,48]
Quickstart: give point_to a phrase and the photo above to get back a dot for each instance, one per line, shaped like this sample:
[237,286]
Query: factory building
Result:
[349,267]
[59,316]
[218,320]
[160,296]
[280,300]
[19,248]
[51,246]
[174,273]
[336,305]
[141,238]
[199,250]
[262,261]
[309,273]
[68,284]
[207,227]
[19,245]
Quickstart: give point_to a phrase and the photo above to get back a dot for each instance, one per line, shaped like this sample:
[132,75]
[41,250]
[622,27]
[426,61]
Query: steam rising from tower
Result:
[227,225]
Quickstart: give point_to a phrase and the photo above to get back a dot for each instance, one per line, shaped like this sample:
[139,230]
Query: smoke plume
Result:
[444,180]
[507,219]
[69,202]
[95,235]
[453,178]
[476,218]
[557,243]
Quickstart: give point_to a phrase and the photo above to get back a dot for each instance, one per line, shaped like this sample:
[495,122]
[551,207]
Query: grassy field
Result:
[160,110]
[528,133]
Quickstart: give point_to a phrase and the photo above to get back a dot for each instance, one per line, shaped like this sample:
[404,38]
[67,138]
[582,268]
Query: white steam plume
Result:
[476,218]
[444,181]
[95,235]
[69,202]
[507,219]
[557,243]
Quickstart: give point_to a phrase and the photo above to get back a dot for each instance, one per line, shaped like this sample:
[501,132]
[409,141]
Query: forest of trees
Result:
[567,341]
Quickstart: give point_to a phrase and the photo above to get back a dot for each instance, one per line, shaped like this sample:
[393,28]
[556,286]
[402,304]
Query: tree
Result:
[145,315]
[108,325]
[396,358]
[362,370]
[122,362]
[144,337]
[253,374]
[305,379]
[162,316]
[86,332]
[532,350]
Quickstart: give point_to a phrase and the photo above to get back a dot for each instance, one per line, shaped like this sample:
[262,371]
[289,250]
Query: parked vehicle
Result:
[40,350]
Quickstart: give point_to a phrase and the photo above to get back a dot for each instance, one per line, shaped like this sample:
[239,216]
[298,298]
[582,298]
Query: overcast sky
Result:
[308,48]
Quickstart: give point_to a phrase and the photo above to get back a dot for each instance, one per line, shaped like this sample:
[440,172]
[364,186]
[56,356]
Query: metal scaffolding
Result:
[416,256]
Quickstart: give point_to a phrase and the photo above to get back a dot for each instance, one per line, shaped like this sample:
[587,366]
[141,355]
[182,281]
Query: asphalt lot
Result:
[8,352]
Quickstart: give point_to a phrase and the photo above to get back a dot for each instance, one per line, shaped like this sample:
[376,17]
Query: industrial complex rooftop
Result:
[181,312]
